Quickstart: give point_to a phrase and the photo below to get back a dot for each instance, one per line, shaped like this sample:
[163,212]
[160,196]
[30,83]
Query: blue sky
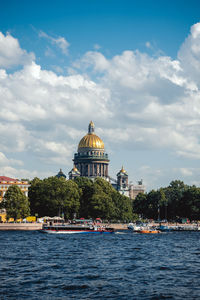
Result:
[130,66]
[114,25]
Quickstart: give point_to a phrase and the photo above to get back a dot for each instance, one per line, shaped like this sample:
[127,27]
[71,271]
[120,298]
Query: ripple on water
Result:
[118,266]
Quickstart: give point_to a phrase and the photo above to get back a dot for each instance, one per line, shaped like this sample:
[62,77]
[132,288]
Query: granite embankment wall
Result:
[20,226]
[37,226]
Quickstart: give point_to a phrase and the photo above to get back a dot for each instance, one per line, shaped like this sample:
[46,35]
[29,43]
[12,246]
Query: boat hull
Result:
[149,231]
[74,231]
[71,229]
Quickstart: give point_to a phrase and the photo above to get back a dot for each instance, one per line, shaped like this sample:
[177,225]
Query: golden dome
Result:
[91,140]
[122,170]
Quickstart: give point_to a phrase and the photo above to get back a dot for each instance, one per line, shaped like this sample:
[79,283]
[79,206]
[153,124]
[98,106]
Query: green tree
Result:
[15,203]
[54,196]
[151,205]
[101,204]
[71,199]
[140,206]
[174,192]
[86,187]
[100,199]
[123,207]
[189,204]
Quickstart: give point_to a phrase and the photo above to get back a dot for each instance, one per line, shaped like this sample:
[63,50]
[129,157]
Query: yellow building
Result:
[5,183]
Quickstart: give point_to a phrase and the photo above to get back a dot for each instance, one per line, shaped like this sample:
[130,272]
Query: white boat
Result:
[135,227]
[75,228]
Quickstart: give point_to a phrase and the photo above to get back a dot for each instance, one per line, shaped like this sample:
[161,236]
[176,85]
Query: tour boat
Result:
[76,228]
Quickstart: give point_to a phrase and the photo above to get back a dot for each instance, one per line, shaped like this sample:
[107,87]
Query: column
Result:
[92,169]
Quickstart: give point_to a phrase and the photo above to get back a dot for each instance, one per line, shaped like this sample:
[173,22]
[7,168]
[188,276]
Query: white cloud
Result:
[10,52]
[137,101]
[189,55]
[60,42]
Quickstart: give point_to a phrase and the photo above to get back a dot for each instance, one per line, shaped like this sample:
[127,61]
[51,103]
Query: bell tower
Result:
[122,182]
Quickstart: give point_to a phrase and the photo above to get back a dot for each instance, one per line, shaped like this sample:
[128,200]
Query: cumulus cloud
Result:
[10,52]
[154,101]
[189,55]
[60,42]
[138,102]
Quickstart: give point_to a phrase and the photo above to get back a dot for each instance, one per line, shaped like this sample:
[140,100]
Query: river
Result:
[108,266]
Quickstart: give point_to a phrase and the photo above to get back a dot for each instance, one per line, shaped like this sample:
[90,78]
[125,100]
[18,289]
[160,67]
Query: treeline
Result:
[85,198]
[176,201]
[78,198]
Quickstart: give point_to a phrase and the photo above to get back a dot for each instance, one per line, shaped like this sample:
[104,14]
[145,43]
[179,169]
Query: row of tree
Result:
[83,197]
[178,200]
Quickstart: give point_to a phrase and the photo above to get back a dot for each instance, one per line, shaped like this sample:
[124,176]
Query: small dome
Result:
[91,140]
[61,174]
[122,172]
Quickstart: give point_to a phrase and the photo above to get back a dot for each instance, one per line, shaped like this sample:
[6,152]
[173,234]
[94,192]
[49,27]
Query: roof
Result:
[5,178]
[91,140]
[61,174]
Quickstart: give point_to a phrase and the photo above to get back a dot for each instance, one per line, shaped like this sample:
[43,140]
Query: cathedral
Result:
[92,161]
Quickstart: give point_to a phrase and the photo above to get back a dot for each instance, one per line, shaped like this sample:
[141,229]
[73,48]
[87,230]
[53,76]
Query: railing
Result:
[104,156]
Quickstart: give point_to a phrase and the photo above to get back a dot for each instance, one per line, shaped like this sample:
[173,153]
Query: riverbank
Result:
[20,226]
[116,226]
[38,226]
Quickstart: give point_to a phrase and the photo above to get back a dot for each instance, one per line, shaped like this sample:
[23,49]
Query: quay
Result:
[20,226]
[115,226]
[38,226]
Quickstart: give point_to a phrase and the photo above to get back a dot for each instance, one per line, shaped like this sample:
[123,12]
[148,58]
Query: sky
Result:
[132,67]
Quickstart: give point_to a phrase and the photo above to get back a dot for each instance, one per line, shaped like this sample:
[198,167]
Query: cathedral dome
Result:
[91,140]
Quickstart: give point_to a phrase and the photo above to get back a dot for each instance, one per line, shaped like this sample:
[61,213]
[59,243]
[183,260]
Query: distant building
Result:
[122,182]
[135,189]
[5,183]
[124,187]
[92,161]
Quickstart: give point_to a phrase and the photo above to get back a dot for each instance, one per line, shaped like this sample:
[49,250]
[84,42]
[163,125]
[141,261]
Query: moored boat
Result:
[165,228]
[76,228]
[134,228]
[151,231]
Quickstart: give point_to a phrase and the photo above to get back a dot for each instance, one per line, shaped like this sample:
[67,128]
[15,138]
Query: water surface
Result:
[88,266]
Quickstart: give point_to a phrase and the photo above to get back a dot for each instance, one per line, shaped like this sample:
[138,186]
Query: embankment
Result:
[20,226]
